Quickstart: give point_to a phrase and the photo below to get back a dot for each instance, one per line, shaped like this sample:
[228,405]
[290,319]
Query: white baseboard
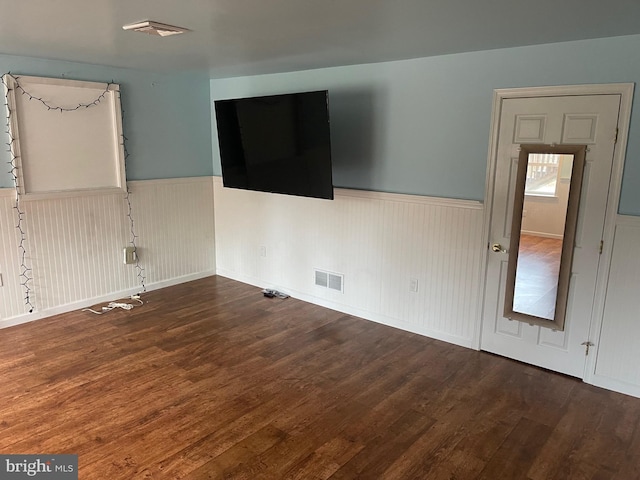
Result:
[69,307]
[349,310]
[615,385]
[542,234]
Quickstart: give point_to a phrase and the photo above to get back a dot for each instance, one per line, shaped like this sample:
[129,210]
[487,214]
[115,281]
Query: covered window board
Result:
[70,151]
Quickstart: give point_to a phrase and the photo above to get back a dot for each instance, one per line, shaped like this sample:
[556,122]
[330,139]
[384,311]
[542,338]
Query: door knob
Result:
[496,247]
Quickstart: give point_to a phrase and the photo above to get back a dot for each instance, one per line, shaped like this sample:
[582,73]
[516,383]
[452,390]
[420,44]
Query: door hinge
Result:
[587,344]
[615,140]
[601,246]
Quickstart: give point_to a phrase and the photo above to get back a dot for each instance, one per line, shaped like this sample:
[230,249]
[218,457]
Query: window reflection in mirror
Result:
[546,200]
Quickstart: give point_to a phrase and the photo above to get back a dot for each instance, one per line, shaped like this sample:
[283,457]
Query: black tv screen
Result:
[277,143]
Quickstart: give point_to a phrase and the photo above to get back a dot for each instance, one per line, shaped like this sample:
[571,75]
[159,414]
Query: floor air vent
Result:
[332,281]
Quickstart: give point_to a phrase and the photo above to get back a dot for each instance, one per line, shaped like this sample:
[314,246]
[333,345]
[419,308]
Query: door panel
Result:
[577,120]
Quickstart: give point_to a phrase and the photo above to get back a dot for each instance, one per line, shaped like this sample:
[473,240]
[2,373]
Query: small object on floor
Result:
[269,293]
[112,305]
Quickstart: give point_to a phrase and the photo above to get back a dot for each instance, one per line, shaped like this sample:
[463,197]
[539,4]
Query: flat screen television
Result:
[277,144]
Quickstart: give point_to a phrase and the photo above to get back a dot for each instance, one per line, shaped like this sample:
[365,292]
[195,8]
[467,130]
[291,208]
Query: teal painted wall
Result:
[167,118]
[422,126]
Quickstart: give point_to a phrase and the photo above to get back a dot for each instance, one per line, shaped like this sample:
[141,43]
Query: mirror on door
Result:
[543,228]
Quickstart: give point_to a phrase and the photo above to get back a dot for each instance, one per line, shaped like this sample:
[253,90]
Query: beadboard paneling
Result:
[618,360]
[174,219]
[74,245]
[380,243]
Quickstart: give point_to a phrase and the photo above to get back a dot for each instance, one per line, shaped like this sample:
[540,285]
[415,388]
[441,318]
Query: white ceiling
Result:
[246,37]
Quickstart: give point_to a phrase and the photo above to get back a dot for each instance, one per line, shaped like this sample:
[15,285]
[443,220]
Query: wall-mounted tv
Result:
[276,143]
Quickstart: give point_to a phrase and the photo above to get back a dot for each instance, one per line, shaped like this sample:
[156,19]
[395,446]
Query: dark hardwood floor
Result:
[210,379]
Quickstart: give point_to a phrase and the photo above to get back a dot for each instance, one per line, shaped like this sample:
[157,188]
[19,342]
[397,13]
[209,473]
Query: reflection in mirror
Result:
[544,216]
[547,195]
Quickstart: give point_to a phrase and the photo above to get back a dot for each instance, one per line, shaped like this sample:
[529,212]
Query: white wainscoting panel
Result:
[382,243]
[618,360]
[74,245]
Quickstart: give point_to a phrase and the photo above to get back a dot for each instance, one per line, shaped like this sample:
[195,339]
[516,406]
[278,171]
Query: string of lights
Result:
[25,275]
[132,231]
[80,106]
[25,271]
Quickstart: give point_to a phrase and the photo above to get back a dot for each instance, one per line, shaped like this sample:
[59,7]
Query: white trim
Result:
[69,307]
[488,206]
[565,91]
[349,310]
[540,195]
[397,197]
[78,192]
[628,220]
[613,201]
[615,385]
[401,197]
[11,191]
[170,181]
[625,90]
[542,234]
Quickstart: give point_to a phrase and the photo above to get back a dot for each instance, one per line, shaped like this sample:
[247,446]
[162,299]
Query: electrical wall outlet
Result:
[129,255]
[413,285]
[263,251]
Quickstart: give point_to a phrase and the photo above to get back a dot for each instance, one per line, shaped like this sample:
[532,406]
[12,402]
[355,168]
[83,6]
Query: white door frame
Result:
[625,90]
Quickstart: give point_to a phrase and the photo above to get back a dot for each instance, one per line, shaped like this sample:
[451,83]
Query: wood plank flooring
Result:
[210,380]
[537,275]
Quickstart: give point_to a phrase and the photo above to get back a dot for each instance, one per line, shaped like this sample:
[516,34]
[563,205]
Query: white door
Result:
[577,120]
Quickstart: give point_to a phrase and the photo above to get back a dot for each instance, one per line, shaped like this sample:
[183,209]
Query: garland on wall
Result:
[25,270]
[132,230]
[26,277]
[80,106]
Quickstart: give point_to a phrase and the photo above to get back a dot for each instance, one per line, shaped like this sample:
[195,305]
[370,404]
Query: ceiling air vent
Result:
[155,28]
